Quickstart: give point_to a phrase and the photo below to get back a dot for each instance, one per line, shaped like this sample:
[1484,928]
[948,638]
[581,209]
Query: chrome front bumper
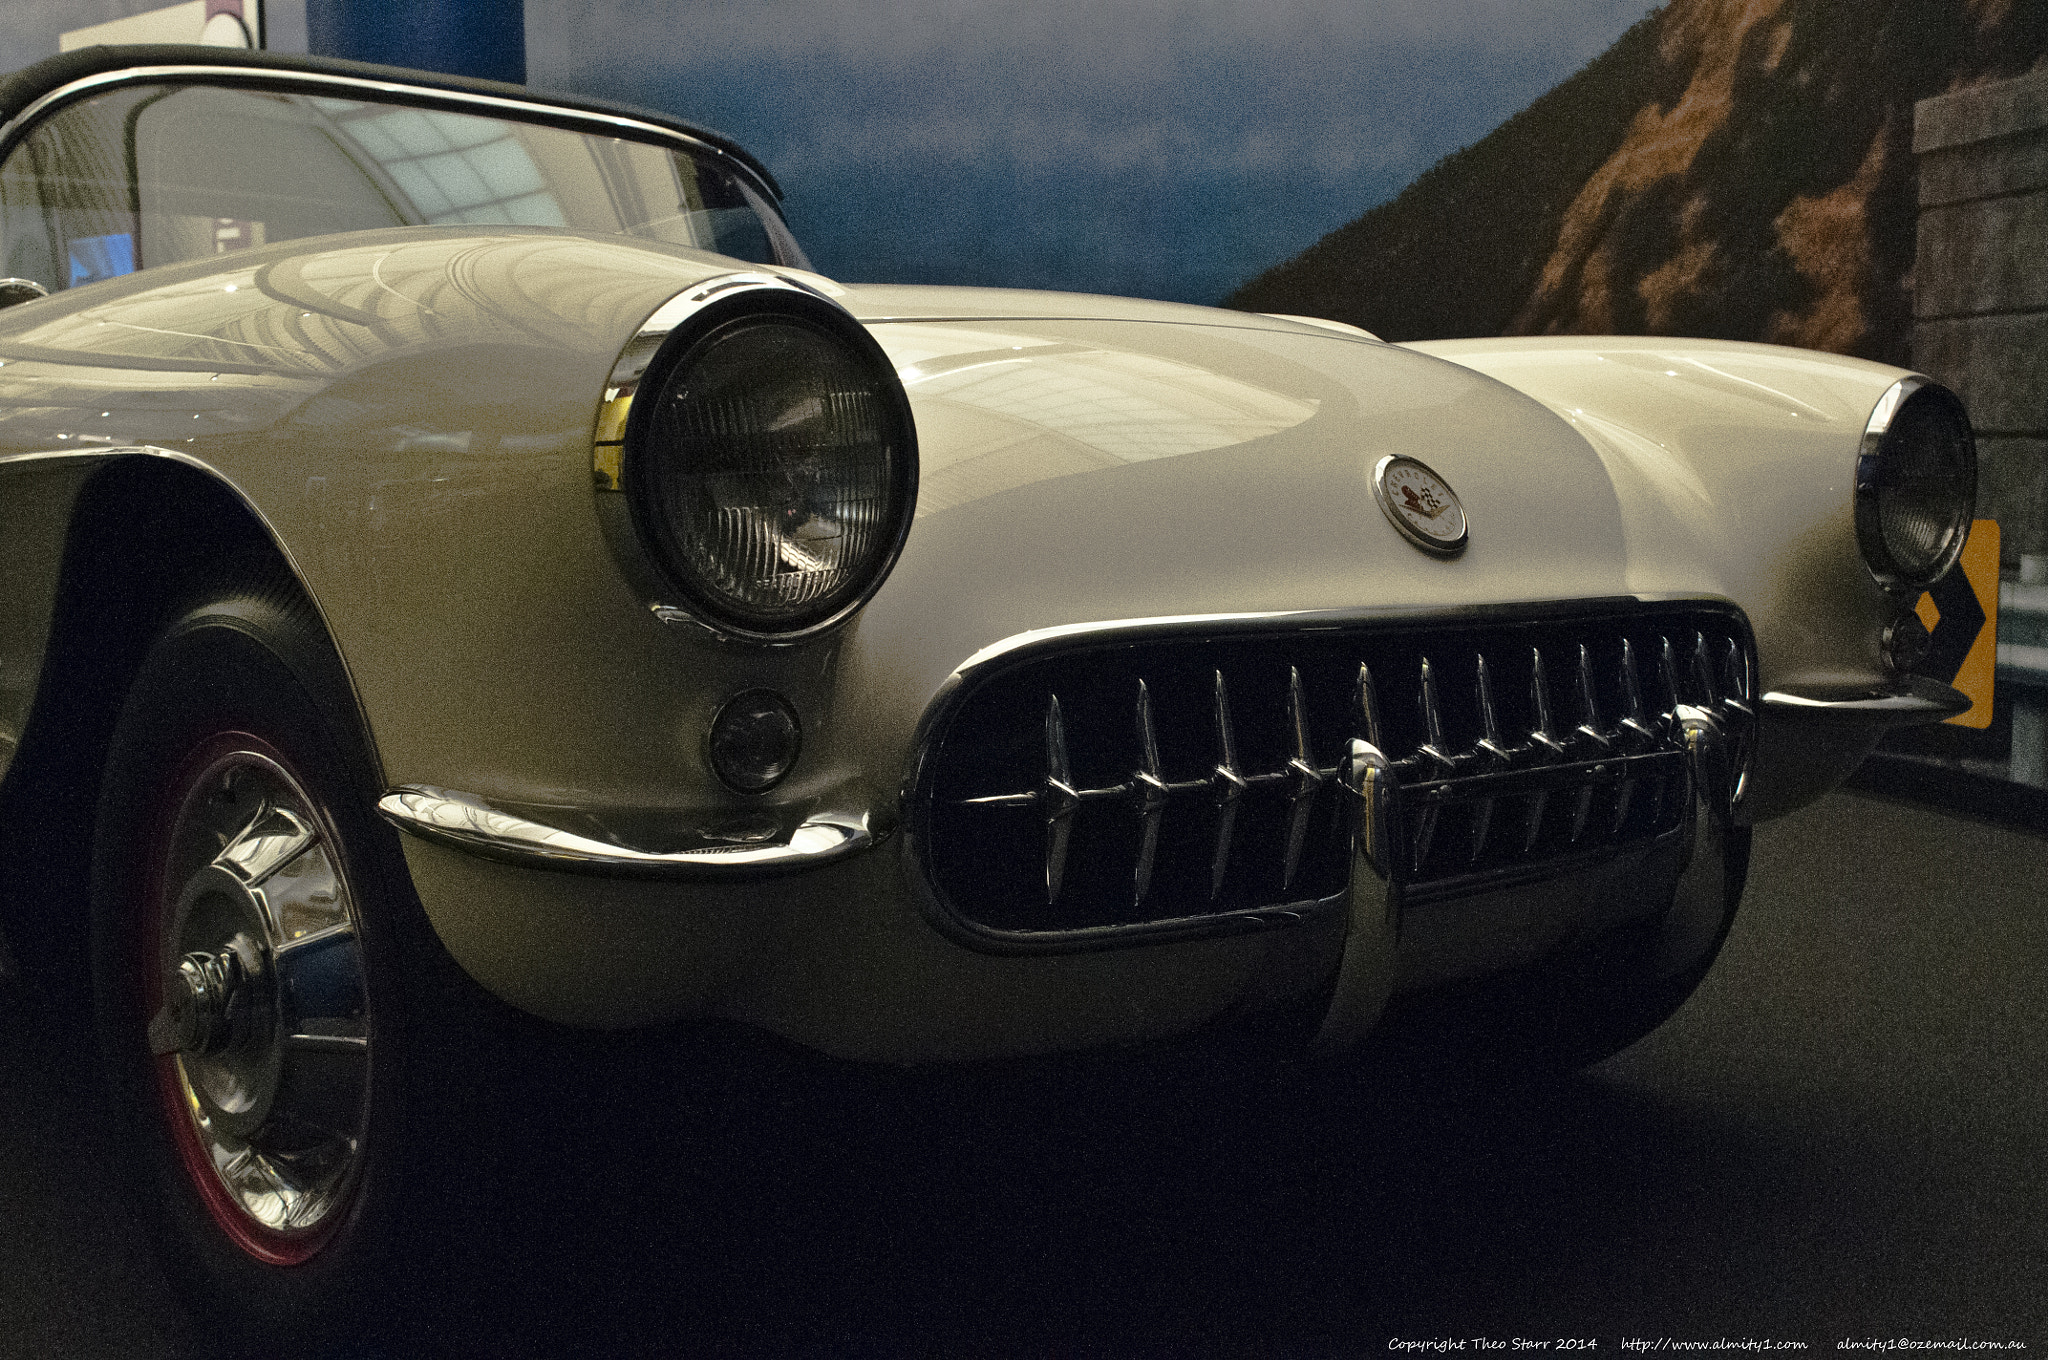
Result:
[465,821]
[845,957]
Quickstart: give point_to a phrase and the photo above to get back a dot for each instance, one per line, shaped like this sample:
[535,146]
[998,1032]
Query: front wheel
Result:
[262,979]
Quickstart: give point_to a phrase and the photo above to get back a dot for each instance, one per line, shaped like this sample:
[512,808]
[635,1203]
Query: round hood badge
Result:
[1420,504]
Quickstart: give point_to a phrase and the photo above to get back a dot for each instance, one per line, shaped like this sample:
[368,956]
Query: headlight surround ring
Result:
[768,459]
[1916,485]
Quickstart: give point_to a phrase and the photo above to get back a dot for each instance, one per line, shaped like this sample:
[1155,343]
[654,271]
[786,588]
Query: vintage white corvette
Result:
[438,522]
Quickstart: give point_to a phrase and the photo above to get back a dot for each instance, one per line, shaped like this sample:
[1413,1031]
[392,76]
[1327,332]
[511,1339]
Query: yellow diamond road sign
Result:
[1962,614]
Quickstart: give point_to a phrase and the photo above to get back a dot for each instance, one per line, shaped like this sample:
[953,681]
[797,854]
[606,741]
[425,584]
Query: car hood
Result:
[1105,459]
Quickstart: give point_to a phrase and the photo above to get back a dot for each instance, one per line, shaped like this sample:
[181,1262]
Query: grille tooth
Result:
[1308,780]
[1150,790]
[1580,811]
[1425,832]
[1432,750]
[1369,710]
[1632,696]
[1062,799]
[1734,704]
[1230,787]
[1219,865]
[1667,665]
[1148,740]
[1702,670]
[1542,742]
[1489,716]
[1589,728]
[1482,823]
[1144,796]
[1539,700]
[1589,703]
[1736,667]
[1490,746]
[1532,826]
[1622,799]
[1631,727]
[1226,737]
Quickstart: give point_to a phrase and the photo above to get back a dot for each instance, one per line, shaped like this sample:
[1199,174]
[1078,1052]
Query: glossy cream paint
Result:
[1733,460]
[411,414]
[1734,465]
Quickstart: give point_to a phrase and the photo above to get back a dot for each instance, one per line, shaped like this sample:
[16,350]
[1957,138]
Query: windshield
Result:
[155,174]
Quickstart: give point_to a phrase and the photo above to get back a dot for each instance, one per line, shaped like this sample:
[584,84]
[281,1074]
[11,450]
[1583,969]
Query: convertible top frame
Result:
[22,92]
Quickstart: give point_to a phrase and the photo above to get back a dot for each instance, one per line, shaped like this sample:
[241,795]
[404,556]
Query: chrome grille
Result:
[1192,776]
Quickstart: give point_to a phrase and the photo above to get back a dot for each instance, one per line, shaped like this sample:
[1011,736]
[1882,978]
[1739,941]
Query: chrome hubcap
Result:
[199,1013]
[262,1028]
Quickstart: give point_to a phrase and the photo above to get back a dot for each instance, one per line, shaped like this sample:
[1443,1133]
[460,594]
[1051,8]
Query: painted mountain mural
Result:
[1737,169]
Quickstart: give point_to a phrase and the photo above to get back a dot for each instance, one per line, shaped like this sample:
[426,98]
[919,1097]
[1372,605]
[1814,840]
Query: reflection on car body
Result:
[458,554]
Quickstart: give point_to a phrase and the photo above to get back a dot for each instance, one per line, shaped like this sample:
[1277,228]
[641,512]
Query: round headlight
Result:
[771,466]
[1916,484]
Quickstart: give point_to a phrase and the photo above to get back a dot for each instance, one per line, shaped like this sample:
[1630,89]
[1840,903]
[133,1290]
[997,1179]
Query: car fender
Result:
[1735,464]
[410,414]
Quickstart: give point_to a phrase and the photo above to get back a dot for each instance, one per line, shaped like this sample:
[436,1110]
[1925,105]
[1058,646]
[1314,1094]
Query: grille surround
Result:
[985,794]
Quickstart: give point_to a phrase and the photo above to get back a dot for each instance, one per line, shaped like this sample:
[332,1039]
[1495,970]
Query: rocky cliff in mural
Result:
[1730,168]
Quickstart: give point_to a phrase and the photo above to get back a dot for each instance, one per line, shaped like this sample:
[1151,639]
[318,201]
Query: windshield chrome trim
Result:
[527,108]
[468,822]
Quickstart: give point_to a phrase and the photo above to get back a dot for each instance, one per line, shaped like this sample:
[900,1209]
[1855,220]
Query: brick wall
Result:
[1980,287]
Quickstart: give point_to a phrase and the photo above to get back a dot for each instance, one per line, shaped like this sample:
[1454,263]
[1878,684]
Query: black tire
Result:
[318,1091]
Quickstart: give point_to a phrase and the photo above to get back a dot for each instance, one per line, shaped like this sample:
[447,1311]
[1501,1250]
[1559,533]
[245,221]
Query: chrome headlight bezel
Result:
[1916,419]
[634,456]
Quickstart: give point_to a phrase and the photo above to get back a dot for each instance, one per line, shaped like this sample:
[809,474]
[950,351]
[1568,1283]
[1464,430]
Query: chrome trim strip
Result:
[464,821]
[691,301]
[16,290]
[1324,323]
[608,440]
[1159,625]
[1372,937]
[1882,414]
[1114,626]
[142,75]
[1921,701]
[1869,461]
[94,451]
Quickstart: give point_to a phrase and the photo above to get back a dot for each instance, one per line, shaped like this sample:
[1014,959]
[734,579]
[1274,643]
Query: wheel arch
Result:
[149,540]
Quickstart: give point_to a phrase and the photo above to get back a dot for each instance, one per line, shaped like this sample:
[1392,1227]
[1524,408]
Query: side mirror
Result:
[20,290]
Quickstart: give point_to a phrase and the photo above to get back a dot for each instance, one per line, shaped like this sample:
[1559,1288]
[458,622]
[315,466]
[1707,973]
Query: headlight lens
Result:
[1916,484]
[771,465]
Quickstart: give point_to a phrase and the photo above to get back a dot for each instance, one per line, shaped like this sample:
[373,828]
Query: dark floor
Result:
[1844,1135]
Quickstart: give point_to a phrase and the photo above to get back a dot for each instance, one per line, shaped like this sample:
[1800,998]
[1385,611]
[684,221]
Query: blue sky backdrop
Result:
[1157,148]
